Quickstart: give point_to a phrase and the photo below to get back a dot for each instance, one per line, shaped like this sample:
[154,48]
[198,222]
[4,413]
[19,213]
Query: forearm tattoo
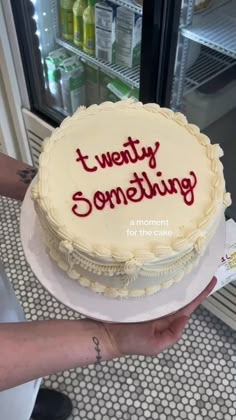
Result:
[98,351]
[27,175]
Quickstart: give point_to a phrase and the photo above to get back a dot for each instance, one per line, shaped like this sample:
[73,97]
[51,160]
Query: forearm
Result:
[15,177]
[34,349]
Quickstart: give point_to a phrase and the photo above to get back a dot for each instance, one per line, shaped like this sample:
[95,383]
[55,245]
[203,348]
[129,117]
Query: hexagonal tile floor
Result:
[196,379]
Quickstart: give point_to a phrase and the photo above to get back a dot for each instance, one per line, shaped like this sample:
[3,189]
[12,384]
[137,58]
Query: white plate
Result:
[102,308]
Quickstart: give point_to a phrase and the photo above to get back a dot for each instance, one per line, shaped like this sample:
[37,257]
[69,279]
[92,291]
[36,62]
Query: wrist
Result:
[115,339]
[103,343]
[15,177]
[26,176]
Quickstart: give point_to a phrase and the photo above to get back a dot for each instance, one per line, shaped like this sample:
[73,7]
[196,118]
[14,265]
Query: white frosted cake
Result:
[128,196]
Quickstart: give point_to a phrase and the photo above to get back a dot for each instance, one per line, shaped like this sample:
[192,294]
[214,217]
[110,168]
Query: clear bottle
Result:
[89,28]
[78,10]
[66,14]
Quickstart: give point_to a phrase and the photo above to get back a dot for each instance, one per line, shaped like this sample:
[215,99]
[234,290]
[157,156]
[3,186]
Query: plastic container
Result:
[52,63]
[72,84]
[66,15]
[78,10]
[89,28]
[92,84]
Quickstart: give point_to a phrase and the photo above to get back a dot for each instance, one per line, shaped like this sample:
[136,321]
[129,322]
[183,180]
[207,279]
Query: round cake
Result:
[128,197]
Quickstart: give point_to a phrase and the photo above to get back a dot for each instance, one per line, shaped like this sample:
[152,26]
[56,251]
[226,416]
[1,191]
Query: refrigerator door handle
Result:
[13,133]
[16,55]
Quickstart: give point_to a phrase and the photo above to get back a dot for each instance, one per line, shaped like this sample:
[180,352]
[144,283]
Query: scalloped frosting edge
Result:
[195,239]
[113,292]
[128,270]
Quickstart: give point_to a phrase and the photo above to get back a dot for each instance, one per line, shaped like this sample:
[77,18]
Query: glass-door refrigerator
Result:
[85,52]
[81,52]
[201,82]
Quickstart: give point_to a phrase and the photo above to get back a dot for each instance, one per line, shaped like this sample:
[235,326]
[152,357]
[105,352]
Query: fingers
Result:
[169,336]
[177,326]
[208,289]
[169,330]
[199,299]
[187,310]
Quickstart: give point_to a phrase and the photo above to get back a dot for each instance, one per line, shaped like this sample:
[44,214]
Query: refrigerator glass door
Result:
[204,83]
[79,52]
[204,88]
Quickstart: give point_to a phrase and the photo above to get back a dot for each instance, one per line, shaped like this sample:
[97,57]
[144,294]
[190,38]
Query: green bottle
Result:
[78,10]
[89,28]
[66,13]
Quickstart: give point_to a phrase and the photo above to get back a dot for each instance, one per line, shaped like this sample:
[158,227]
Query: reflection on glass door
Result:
[204,85]
[204,88]
[90,51]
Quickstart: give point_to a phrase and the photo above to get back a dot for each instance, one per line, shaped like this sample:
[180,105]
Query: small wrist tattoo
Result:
[98,351]
[27,175]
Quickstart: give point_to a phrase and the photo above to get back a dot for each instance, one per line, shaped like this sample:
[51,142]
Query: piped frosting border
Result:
[194,239]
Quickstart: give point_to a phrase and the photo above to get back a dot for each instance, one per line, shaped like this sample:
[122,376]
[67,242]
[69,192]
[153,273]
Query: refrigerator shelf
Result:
[129,5]
[209,65]
[127,75]
[216,29]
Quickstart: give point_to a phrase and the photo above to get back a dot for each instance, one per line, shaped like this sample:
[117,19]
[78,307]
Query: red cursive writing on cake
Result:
[129,155]
[140,188]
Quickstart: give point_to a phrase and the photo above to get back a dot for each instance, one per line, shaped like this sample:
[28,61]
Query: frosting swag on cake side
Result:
[128,196]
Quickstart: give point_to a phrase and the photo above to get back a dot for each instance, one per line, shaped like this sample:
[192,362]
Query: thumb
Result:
[177,326]
[172,334]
